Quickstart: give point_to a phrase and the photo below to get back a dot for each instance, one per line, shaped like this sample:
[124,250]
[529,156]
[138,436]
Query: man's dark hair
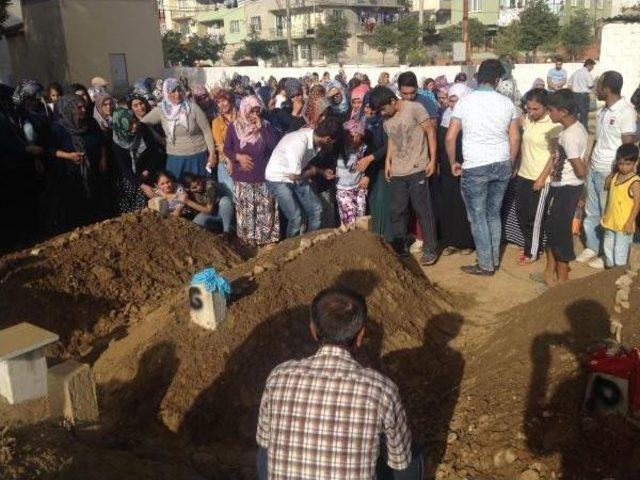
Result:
[613,81]
[407,79]
[588,62]
[490,71]
[338,315]
[329,127]
[564,100]
[381,96]
[539,95]
[74,87]
[627,151]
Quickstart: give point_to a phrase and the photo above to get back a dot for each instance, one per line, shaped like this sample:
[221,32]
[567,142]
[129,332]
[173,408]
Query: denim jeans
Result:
[594,208]
[583,100]
[412,189]
[225,182]
[483,189]
[616,248]
[293,198]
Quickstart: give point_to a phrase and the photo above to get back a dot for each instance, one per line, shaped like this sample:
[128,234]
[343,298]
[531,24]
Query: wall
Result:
[488,15]
[40,50]
[96,28]
[597,8]
[619,51]
[524,74]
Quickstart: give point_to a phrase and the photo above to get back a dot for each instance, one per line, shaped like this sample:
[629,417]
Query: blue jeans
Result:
[594,208]
[291,197]
[181,164]
[616,248]
[225,182]
[483,189]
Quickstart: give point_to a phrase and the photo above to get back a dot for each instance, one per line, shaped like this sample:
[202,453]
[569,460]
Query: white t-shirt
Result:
[485,116]
[581,81]
[611,124]
[292,154]
[572,143]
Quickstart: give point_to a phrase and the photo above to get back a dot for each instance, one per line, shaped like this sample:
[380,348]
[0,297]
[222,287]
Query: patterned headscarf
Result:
[174,113]
[359,92]
[123,120]
[292,87]
[76,127]
[104,122]
[27,89]
[137,96]
[226,95]
[246,131]
[343,106]
[315,106]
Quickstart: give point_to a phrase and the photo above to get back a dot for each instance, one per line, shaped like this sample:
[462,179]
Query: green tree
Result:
[453,33]
[383,39]
[332,36]
[202,49]
[172,48]
[576,34]
[419,56]
[409,36]
[255,48]
[507,40]
[538,26]
[449,35]
[477,32]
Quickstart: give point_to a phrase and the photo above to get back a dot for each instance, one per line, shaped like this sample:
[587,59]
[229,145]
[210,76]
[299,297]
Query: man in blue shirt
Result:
[408,89]
[557,77]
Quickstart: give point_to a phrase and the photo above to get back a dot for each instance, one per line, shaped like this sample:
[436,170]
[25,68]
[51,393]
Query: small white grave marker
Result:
[208,299]
[23,366]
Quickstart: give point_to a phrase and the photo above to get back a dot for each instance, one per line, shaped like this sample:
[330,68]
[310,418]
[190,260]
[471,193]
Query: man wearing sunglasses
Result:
[411,158]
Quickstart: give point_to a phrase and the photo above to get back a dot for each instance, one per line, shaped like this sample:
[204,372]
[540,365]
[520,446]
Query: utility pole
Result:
[421,13]
[289,41]
[465,32]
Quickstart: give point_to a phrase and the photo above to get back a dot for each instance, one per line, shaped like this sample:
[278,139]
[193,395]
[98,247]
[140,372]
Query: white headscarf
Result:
[456,90]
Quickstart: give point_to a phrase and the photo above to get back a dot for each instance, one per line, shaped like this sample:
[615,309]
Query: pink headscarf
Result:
[360,91]
[246,131]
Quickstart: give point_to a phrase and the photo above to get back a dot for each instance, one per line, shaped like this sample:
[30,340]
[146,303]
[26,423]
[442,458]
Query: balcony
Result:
[310,4]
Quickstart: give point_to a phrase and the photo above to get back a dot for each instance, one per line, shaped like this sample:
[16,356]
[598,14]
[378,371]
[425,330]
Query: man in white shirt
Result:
[581,84]
[490,143]
[557,77]
[288,173]
[615,125]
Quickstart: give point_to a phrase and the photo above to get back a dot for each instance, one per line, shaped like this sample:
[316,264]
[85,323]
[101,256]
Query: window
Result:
[360,48]
[234,26]
[338,13]
[587,4]
[304,52]
[600,4]
[475,5]
[256,23]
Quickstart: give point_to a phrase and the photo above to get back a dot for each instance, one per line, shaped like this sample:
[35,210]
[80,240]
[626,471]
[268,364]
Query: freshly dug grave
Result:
[520,406]
[172,385]
[85,285]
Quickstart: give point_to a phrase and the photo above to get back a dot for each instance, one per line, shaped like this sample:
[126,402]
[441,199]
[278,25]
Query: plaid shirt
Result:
[322,418]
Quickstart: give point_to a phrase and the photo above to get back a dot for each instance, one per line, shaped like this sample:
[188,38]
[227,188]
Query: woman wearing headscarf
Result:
[189,140]
[78,149]
[204,101]
[451,213]
[357,99]
[315,107]
[288,117]
[248,146]
[226,106]
[102,111]
[338,100]
[135,162]
[104,104]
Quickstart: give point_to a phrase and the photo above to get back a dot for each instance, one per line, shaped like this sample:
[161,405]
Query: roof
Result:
[628,15]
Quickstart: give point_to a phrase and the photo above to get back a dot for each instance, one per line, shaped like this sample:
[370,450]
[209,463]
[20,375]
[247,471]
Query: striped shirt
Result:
[321,418]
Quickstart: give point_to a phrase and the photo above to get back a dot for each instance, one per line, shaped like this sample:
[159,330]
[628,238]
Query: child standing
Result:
[351,185]
[567,172]
[623,205]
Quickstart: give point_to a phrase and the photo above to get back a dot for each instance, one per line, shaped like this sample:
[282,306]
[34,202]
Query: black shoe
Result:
[400,247]
[476,270]
[428,259]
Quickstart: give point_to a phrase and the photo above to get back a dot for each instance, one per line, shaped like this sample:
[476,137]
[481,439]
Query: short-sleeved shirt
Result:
[611,124]
[557,76]
[581,81]
[428,101]
[485,116]
[410,147]
[538,143]
[572,143]
[322,418]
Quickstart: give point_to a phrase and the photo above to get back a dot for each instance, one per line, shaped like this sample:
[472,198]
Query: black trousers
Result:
[527,202]
[412,189]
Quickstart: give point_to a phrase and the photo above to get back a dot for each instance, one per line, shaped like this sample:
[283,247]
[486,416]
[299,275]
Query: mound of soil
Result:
[171,380]
[87,284]
[520,406]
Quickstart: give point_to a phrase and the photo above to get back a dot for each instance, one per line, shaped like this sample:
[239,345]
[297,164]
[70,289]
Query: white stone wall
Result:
[620,51]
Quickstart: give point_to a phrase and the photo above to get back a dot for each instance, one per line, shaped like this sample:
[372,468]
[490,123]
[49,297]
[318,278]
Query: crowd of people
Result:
[442,167]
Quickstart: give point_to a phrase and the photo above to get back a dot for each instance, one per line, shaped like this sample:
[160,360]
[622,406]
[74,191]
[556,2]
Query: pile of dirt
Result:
[520,406]
[89,283]
[170,382]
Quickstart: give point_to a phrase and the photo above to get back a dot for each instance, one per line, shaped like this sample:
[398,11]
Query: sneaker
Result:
[586,255]
[476,270]
[428,259]
[597,263]
[416,247]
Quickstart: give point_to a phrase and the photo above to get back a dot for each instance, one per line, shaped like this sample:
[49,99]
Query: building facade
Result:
[75,40]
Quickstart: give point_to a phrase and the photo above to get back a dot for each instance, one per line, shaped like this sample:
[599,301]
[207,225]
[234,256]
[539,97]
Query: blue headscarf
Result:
[343,106]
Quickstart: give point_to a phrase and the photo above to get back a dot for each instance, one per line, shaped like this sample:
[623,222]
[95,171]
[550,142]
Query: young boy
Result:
[623,205]
[410,160]
[567,172]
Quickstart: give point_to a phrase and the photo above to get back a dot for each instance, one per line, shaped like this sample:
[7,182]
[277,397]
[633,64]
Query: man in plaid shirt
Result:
[323,417]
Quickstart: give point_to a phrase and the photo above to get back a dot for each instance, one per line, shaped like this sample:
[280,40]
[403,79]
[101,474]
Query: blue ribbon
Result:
[212,282]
